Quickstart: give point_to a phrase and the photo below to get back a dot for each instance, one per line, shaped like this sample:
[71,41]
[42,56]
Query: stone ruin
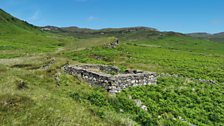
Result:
[109,77]
[114,44]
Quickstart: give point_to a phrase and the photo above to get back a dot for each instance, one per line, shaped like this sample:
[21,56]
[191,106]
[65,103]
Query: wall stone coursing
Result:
[112,83]
[103,68]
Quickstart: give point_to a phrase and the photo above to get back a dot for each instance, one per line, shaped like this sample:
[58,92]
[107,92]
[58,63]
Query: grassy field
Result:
[174,101]
[30,94]
[43,101]
[34,90]
[40,100]
[168,55]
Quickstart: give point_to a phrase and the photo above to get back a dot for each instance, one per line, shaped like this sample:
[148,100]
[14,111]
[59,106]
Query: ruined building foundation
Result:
[109,77]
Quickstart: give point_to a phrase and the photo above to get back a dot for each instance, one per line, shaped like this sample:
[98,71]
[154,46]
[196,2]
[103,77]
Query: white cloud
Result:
[92,18]
[35,16]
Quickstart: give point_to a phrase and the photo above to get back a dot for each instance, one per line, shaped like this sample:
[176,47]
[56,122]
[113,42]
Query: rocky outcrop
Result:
[114,44]
[112,83]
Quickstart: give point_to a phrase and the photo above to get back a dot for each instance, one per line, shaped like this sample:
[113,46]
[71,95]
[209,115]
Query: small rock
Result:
[21,85]
[144,107]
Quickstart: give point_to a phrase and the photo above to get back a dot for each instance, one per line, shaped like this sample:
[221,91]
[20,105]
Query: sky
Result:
[184,16]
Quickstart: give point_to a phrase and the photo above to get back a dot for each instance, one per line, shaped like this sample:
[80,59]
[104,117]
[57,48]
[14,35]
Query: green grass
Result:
[184,43]
[174,101]
[31,95]
[160,58]
[30,43]
[18,38]
[36,42]
[43,102]
[171,102]
[24,50]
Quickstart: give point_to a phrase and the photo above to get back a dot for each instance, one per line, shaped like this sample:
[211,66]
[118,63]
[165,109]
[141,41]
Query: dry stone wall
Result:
[112,83]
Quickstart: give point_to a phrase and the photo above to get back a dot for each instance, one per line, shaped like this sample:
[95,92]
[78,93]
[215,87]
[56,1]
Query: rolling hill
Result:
[131,33]
[218,37]
[34,89]
[10,24]
[19,38]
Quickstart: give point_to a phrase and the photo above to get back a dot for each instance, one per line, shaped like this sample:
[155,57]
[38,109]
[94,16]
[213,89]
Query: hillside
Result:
[19,38]
[131,33]
[218,37]
[35,90]
[11,24]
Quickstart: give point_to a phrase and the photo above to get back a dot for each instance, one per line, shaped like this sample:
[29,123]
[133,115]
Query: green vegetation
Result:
[174,55]
[34,90]
[126,33]
[173,101]
[218,37]
[18,38]
[167,104]
[42,102]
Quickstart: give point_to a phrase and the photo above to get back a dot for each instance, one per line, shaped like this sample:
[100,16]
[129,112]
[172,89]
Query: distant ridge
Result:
[218,37]
[75,29]
[11,24]
[132,33]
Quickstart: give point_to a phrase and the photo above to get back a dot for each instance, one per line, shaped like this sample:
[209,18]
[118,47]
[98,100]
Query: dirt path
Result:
[35,58]
[60,50]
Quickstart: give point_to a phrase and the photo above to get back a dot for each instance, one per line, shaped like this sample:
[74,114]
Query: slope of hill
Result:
[19,38]
[218,37]
[200,35]
[10,24]
[178,98]
[34,90]
[29,93]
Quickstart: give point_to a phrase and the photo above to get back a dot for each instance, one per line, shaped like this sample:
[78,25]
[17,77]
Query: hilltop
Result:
[129,33]
[35,89]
